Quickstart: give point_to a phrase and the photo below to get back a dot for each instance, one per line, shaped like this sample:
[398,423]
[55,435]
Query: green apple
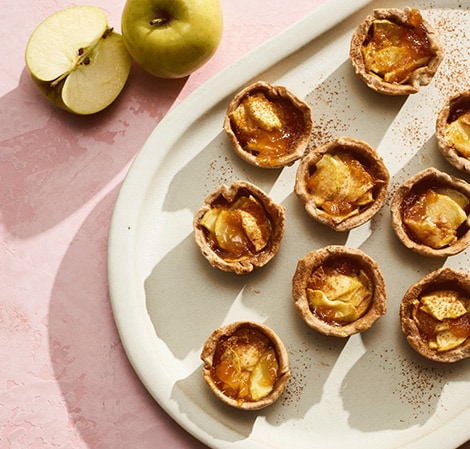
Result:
[172,38]
[77,60]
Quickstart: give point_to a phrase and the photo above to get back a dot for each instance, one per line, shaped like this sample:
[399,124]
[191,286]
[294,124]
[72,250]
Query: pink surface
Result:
[65,380]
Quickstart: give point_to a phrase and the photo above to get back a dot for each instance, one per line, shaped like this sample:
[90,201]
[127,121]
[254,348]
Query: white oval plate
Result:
[371,390]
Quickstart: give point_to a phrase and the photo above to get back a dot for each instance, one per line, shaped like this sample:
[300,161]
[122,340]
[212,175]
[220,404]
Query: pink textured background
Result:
[65,381]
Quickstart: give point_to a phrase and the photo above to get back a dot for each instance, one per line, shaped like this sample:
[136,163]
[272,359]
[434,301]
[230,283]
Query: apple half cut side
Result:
[77,60]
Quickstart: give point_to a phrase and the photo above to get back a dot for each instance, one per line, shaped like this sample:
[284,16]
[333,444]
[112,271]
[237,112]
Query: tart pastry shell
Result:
[273,93]
[429,175]
[371,161]
[317,258]
[283,373]
[457,160]
[456,279]
[420,77]
[274,211]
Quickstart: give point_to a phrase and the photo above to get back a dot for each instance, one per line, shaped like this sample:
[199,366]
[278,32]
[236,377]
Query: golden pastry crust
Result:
[453,131]
[239,227]
[438,331]
[430,213]
[246,365]
[342,205]
[415,64]
[339,291]
[268,126]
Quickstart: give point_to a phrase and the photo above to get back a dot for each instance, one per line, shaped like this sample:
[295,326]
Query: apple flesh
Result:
[172,38]
[77,60]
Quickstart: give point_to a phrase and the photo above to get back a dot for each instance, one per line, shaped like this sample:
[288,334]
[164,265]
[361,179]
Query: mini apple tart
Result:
[342,184]
[245,365]
[453,131]
[239,228]
[339,291]
[435,315]
[395,52]
[268,126]
[430,213]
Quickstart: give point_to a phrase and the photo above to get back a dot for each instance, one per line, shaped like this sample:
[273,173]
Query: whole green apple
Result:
[172,38]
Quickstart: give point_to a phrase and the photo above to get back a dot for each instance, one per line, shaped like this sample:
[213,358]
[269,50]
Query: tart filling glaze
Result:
[395,52]
[239,227]
[342,184]
[339,291]
[453,131]
[245,365]
[430,213]
[268,126]
[435,315]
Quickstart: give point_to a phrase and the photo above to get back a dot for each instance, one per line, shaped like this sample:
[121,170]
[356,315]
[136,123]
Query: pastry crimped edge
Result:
[207,356]
[276,213]
[316,258]
[375,166]
[448,151]
[271,92]
[461,280]
[420,77]
[404,191]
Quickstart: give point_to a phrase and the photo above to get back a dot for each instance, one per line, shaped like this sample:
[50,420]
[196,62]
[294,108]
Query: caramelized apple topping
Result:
[393,51]
[266,128]
[341,186]
[443,318]
[237,230]
[245,365]
[339,292]
[434,216]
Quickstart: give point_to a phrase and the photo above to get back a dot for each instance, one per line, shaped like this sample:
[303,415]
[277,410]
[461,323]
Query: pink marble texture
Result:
[65,380]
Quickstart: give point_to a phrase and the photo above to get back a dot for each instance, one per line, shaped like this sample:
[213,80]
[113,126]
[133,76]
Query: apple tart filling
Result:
[435,315]
[342,183]
[268,126]
[453,131]
[239,227]
[246,365]
[395,51]
[430,213]
[339,291]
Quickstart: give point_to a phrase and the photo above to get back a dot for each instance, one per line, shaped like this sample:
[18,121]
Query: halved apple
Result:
[77,60]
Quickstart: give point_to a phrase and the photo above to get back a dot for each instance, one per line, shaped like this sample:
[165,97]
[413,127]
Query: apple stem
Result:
[159,21]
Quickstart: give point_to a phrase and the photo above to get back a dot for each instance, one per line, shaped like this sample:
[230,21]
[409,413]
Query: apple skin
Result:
[187,39]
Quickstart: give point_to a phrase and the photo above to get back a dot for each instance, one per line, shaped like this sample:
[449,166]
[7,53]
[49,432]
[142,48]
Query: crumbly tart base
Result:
[374,165]
[446,275]
[271,92]
[428,175]
[207,356]
[313,260]
[275,212]
[421,76]
[449,152]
